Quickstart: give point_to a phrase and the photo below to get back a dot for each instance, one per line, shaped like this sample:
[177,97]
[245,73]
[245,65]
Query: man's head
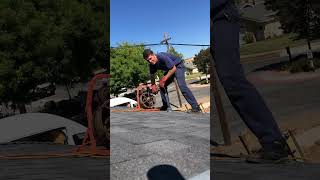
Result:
[149,56]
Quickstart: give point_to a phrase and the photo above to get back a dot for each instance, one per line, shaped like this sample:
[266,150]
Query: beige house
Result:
[190,67]
[255,18]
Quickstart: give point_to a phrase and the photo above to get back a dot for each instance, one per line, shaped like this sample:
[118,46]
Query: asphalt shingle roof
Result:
[70,168]
[257,13]
[143,140]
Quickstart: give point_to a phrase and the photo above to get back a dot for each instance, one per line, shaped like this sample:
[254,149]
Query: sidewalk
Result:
[278,53]
[300,49]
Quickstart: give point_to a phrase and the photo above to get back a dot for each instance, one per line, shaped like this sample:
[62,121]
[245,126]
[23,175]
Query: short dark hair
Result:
[146,53]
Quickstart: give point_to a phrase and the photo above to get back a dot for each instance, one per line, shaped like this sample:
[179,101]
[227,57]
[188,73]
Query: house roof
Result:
[66,167]
[257,13]
[29,124]
[188,63]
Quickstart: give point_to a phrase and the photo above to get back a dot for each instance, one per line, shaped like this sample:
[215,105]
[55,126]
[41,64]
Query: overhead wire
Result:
[161,44]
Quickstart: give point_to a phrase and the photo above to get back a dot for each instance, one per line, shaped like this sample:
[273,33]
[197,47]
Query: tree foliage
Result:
[297,16]
[202,60]
[173,51]
[49,41]
[128,68]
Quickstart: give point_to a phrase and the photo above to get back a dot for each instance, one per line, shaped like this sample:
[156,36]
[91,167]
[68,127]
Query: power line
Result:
[161,44]
[136,45]
[181,44]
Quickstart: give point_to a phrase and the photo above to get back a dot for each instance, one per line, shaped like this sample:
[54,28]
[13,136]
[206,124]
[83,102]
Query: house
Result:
[190,67]
[255,18]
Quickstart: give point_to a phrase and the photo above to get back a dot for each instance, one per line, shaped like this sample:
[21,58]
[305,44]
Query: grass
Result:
[203,81]
[195,75]
[268,45]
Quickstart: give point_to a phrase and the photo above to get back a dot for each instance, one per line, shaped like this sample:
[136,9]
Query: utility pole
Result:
[309,51]
[165,41]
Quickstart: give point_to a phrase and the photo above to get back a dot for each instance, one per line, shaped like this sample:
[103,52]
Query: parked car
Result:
[122,101]
[43,90]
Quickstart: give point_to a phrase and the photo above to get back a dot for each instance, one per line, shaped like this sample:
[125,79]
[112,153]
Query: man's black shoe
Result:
[277,152]
[268,157]
[194,110]
[213,143]
[163,108]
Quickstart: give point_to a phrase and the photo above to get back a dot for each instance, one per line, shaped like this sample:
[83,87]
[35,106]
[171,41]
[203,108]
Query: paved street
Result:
[142,140]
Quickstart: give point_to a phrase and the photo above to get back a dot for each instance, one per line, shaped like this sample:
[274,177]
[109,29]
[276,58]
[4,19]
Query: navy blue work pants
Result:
[242,94]
[187,94]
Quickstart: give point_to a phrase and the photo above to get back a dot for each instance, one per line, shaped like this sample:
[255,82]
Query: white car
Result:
[120,101]
[40,127]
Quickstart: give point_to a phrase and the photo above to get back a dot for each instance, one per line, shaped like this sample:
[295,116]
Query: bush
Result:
[302,65]
[249,37]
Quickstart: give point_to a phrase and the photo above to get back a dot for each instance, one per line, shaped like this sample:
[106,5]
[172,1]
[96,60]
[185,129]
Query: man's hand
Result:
[162,81]
[154,89]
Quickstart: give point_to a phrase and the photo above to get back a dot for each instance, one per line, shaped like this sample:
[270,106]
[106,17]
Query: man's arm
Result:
[167,76]
[163,80]
[171,72]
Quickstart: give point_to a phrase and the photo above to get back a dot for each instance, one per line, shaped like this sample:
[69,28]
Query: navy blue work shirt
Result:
[224,9]
[218,3]
[165,62]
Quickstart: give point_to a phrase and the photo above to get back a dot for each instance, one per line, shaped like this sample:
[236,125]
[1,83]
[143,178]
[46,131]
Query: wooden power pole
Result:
[219,105]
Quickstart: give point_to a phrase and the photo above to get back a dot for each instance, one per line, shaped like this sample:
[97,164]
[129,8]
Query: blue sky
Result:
[145,21]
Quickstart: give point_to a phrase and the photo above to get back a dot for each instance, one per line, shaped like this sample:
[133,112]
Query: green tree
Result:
[173,51]
[128,68]
[297,16]
[49,41]
[316,5]
[202,60]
